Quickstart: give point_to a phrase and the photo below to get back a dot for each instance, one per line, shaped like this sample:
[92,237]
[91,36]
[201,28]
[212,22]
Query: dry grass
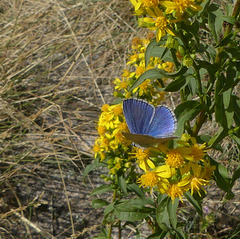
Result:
[57,61]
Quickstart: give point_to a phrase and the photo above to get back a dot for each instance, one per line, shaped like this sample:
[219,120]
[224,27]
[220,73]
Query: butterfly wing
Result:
[145,140]
[138,115]
[163,123]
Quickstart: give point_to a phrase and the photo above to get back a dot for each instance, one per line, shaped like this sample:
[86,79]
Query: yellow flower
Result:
[157,21]
[105,108]
[150,3]
[143,159]
[195,177]
[120,84]
[139,70]
[180,6]
[155,177]
[144,88]
[139,8]
[133,58]
[175,191]
[117,110]
[174,158]
[195,152]
[168,66]
[101,130]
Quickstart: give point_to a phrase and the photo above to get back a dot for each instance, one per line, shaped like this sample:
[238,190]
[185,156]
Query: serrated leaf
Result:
[101,189]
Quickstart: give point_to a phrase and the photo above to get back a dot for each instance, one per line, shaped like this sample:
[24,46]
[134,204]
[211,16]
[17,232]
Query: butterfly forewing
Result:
[138,115]
[163,123]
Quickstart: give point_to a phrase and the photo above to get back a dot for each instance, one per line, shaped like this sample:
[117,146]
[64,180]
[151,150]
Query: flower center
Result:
[175,191]
[149,179]
[174,159]
[161,22]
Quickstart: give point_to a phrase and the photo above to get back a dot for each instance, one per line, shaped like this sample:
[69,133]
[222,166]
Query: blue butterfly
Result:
[148,125]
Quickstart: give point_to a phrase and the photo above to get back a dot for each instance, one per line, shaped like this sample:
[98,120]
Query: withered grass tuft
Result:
[57,61]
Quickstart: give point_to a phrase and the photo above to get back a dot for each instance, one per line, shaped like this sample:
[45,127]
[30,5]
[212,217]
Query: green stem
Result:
[111,226]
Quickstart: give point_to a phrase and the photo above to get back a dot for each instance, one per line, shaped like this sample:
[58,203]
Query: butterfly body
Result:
[148,125]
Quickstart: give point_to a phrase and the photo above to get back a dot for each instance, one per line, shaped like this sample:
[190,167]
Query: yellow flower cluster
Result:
[111,124]
[175,171]
[149,89]
[161,15]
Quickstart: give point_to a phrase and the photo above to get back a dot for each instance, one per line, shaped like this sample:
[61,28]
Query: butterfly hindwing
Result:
[163,123]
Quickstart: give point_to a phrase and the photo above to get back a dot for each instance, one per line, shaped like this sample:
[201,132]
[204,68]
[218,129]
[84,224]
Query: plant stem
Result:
[111,226]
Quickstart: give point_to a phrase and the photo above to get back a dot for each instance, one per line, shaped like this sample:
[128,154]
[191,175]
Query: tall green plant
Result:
[195,53]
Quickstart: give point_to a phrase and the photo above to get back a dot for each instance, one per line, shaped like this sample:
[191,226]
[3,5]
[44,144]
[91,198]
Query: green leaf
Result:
[185,112]
[197,205]
[225,40]
[158,235]
[135,188]
[219,135]
[101,189]
[172,212]
[211,24]
[176,85]
[229,19]
[156,73]
[133,209]
[149,74]
[99,203]
[91,167]
[236,107]
[109,209]
[180,233]
[222,179]
[122,184]
[162,215]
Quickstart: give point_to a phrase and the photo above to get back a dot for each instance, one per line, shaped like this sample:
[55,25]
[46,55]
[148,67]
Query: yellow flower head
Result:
[143,159]
[175,191]
[154,177]
[105,108]
[174,158]
[157,21]
[180,6]
[149,179]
